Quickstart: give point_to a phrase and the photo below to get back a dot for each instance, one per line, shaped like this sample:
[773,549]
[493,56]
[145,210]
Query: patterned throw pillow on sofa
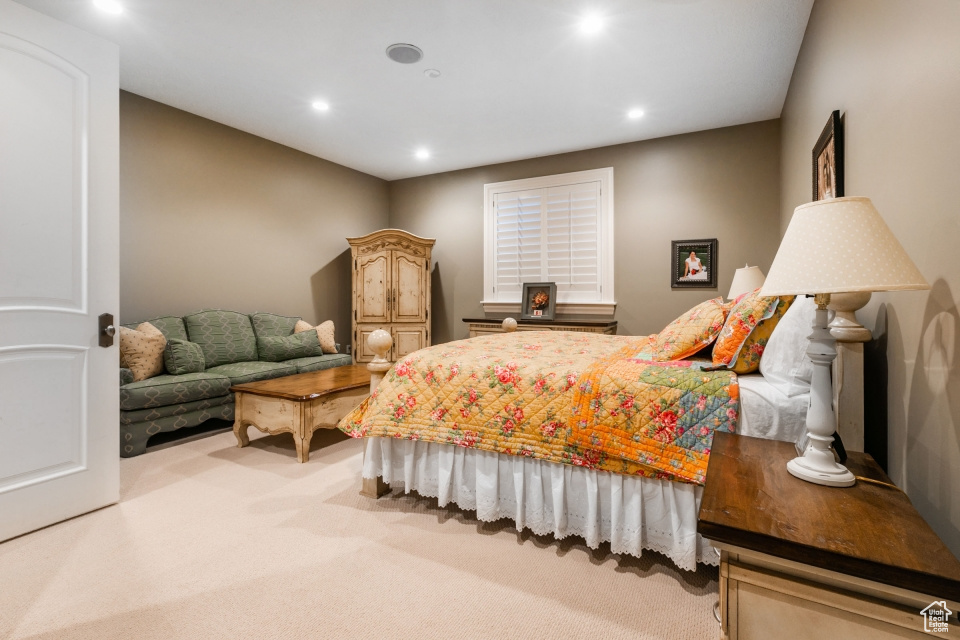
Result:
[280,348]
[141,350]
[325,331]
[182,356]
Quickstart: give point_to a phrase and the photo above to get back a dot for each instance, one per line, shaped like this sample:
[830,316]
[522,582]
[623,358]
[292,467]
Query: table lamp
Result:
[745,280]
[836,245]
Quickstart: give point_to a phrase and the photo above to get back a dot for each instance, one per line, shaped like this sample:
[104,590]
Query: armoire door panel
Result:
[409,274]
[406,340]
[373,287]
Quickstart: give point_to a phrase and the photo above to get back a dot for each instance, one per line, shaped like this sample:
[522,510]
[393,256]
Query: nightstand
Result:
[800,560]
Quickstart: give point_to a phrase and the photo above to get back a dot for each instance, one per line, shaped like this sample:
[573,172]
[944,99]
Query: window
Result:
[550,229]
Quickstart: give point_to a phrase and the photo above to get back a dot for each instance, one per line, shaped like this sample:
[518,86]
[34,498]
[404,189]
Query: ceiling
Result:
[518,79]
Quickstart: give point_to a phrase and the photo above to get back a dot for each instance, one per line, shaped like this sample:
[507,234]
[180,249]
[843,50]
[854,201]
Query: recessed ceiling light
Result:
[633,114]
[432,73]
[404,53]
[591,23]
[320,105]
[109,6]
[422,154]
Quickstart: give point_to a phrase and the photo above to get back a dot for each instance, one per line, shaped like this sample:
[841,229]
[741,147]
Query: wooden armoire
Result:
[391,291]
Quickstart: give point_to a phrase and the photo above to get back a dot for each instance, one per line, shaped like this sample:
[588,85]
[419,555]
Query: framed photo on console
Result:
[539,301]
[693,264]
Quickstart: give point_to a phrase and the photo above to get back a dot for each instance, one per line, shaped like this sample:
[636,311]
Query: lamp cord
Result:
[879,482]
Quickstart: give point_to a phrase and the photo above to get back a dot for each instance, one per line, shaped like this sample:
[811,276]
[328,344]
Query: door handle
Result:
[107,330]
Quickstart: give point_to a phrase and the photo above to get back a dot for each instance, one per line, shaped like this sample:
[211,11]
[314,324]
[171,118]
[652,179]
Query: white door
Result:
[59,247]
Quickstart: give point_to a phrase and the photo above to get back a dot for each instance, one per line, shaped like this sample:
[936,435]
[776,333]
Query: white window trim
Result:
[607,304]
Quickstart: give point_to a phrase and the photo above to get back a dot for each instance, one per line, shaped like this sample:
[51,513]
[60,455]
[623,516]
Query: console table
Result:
[801,560]
[587,324]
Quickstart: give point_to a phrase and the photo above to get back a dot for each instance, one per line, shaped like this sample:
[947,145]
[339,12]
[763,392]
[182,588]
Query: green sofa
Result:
[229,342]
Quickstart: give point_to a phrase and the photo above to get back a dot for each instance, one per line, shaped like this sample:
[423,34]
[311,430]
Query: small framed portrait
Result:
[828,160]
[539,301]
[694,264]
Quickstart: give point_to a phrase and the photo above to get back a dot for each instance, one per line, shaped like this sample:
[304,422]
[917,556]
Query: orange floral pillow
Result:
[691,332]
[749,311]
[748,360]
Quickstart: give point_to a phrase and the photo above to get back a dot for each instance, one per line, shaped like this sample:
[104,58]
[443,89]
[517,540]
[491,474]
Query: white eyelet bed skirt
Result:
[631,513]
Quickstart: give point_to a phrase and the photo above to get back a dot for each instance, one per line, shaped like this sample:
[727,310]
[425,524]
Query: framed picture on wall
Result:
[828,160]
[693,264]
[539,301]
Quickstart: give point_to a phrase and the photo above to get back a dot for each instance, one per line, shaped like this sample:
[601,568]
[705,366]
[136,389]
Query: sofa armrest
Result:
[126,376]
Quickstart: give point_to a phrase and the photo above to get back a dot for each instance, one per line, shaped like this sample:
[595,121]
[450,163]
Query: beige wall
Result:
[214,217]
[721,183]
[893,69]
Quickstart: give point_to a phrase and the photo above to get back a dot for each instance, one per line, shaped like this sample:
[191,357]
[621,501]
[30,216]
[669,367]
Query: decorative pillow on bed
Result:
[748,312]
[325,334]
[784,362]
[748,360]
[691,332]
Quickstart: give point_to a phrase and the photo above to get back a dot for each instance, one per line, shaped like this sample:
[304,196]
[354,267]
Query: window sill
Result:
[566,308]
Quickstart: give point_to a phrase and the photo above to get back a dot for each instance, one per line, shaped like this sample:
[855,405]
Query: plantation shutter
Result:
[518,240]
[572,234]
[549,235]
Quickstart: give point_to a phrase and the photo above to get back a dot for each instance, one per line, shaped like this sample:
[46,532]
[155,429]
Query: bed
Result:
[573,434]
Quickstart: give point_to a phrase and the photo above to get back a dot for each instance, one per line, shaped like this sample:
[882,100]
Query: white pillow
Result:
[784,363]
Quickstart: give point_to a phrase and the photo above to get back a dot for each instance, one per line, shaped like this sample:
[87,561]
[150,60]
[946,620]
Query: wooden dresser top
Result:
[870,530]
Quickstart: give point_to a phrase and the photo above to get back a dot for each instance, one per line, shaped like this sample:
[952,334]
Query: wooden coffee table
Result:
[299,404]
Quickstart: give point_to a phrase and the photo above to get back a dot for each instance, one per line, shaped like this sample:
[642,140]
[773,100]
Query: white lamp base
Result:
[817,463]
[814,466]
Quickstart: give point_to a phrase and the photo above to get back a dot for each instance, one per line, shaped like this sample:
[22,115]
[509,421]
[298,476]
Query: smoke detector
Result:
[404,53]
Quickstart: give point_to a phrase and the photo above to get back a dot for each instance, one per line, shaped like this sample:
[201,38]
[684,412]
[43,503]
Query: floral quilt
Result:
[574,398]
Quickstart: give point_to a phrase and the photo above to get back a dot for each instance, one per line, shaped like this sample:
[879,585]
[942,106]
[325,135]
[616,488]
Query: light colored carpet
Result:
[212,541]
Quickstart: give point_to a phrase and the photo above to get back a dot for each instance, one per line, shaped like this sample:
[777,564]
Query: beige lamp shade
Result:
[745,280]
[838,245]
